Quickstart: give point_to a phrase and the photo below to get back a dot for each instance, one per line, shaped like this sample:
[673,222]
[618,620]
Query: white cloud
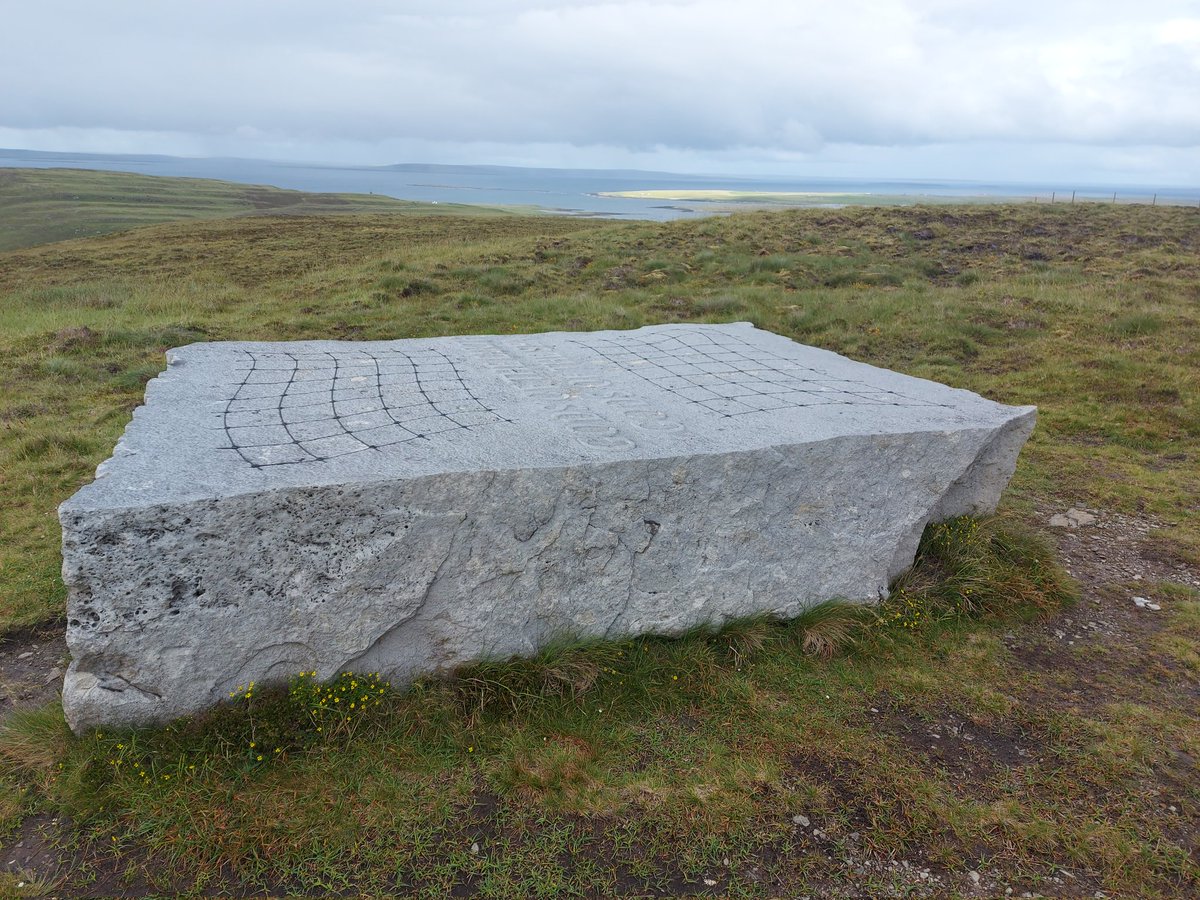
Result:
[642,79]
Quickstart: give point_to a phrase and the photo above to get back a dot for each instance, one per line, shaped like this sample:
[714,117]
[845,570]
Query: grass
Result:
[641,762]
[45,205]
[652,766]
[1091,312]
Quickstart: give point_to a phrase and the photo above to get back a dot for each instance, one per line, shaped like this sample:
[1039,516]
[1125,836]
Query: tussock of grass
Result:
[33,741]
[976,567]
[826,628]
[562,670]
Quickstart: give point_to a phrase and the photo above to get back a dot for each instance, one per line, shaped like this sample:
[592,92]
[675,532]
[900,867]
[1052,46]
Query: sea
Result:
[576,192]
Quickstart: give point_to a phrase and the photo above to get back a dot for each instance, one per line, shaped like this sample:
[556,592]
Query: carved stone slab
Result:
[405,506]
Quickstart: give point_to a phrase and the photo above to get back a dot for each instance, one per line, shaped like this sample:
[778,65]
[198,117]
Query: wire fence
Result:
[1119,197]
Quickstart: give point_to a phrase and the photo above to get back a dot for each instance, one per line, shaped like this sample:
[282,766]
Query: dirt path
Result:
[32,663]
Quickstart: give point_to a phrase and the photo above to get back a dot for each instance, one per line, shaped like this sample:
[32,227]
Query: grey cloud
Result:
[706,76]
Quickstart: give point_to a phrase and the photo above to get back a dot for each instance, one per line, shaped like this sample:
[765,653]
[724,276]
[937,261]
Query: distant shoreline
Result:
[803,198]
[727,200]
[599,193]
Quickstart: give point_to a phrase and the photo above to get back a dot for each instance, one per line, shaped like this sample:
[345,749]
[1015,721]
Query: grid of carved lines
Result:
[732,377]
[297,407]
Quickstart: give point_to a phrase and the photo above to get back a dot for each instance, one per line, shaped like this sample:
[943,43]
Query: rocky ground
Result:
[32,663]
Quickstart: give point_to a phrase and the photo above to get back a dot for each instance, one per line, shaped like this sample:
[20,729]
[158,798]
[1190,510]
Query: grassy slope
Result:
[38,206]
[1090,312]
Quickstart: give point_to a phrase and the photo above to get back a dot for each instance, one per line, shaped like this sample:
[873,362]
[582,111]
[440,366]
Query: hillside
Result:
[982,733]
[39,206]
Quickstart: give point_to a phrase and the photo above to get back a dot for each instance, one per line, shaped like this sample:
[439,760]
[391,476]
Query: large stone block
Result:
[405,506]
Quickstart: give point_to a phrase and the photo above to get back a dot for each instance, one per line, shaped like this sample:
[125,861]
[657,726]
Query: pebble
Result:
[25,655]
[974,876]
[475,849]
[802,821]
[1074,518]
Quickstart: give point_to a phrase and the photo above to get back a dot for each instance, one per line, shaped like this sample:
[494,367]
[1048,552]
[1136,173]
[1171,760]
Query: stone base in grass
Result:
[406,506]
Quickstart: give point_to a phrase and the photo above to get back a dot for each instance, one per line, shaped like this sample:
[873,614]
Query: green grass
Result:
[589,772]
[44,205]
[643,762]
[1090,312]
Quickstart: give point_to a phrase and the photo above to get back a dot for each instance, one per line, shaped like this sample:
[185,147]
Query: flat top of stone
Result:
[241,417]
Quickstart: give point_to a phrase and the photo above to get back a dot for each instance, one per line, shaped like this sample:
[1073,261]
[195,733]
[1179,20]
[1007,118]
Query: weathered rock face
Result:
[405,506]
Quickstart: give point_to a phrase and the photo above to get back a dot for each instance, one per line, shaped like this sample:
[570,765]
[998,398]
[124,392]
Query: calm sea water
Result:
[569,191]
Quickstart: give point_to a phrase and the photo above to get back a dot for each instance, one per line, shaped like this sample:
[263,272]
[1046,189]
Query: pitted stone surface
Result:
[405,506]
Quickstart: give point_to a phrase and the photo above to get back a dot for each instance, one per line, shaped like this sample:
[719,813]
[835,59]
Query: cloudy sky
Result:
[1026,90]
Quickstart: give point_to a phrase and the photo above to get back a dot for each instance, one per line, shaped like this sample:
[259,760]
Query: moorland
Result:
[1010,719]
